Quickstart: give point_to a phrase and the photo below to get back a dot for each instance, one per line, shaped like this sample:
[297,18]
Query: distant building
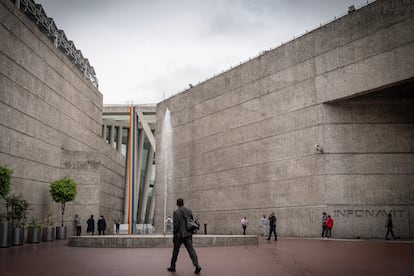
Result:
[115,131]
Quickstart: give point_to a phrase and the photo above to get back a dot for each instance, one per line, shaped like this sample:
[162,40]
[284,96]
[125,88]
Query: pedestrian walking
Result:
[244,223]
[272,224]
[263,224]
[389,226]
[101,225]
[182,236]
[78,225]
[91,225]
[329,226]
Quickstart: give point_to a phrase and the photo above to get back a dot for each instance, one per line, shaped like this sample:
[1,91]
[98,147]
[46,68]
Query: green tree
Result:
[19,210]
[34,224]
[5,180]
[62,191]
[5,176]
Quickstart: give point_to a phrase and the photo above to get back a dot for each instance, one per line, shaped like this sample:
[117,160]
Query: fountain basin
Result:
[158,241]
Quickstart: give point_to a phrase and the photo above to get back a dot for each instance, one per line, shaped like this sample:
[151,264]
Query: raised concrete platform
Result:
[157,241]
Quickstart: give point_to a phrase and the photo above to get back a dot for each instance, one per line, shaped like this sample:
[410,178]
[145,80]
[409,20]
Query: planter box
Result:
[48,234]
[18,235]
[34,235]
[6,234]
[61,232]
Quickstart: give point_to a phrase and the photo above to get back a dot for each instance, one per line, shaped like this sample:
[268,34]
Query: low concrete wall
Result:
[158,241]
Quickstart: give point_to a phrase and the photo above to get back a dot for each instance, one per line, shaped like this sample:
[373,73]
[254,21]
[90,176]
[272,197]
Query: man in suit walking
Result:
[183,236]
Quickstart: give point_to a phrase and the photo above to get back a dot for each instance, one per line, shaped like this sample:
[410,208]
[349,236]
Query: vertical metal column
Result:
[119,144]
[126,180]
[148,173]
[152,210]
[111,137]
[138,169]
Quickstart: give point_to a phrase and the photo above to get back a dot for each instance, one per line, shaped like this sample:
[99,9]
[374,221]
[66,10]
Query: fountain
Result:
[166,147]
[164,239]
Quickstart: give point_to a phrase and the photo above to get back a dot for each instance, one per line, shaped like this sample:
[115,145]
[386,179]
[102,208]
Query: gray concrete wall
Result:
[369,159]
[50,125]
[243,143]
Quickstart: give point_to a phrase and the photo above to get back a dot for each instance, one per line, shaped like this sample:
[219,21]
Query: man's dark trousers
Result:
[323,230]
[188,243]
[272,230]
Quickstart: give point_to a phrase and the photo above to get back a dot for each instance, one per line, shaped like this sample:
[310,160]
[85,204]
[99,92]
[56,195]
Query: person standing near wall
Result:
[272,223]
[324,218]
[117,223]
[91,225]
[244,223]
[182,236]
[263,225]
[78,225]
[101,225]
[168,224]
[329,225]
[198,223]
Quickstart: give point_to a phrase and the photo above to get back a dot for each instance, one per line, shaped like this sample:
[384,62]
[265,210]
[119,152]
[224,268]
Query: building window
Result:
[116,133]
[108,134]
[125,132]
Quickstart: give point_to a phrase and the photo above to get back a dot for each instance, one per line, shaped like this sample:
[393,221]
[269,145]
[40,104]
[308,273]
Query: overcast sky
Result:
[143,51]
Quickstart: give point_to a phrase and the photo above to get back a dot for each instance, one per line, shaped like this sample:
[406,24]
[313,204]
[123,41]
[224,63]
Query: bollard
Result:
[205,228]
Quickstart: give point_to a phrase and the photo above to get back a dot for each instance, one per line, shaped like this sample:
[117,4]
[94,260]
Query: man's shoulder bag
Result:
[190,223]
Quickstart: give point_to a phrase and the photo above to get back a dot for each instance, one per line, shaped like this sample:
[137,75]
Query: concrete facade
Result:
[244,142]
[51,126]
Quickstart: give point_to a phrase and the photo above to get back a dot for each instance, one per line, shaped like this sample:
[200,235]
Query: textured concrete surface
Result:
[244,141]
[50,125]
[284,257]
[157,241]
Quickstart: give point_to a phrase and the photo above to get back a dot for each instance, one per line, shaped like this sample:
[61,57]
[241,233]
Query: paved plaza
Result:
[288,256]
